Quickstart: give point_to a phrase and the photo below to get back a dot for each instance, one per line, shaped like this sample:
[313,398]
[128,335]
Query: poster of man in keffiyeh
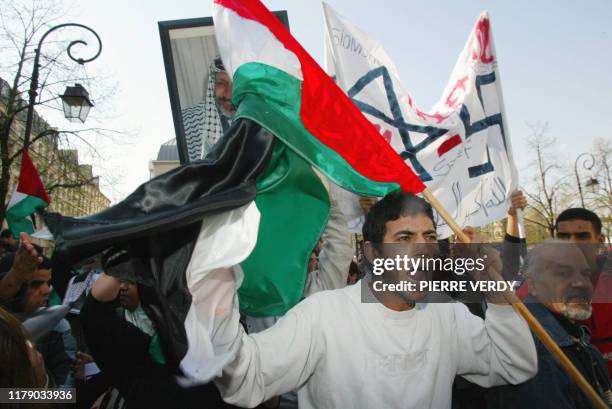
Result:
[190,49]
[460,148]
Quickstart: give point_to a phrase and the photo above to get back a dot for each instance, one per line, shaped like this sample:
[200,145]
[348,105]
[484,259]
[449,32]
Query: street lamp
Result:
[587,164]
[76,103]
[75,99]
[592,184]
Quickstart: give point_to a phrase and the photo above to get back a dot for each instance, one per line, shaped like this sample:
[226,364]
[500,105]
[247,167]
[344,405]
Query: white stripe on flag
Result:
[257,44]
[213,277]
[16,197]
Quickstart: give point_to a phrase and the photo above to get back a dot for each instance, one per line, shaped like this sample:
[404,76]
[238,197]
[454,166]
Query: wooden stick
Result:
[518,305]
[446,216]
[520,221]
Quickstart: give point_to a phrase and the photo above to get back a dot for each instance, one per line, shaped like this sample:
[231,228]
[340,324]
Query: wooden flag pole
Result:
[518,305]
[520,221]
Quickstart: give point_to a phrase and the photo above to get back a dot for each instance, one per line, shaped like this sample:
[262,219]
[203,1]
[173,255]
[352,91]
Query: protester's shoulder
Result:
[447,309]
[453,312]
[327,298]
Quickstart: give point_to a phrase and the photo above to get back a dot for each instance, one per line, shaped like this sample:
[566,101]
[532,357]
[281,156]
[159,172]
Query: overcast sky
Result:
[555,61]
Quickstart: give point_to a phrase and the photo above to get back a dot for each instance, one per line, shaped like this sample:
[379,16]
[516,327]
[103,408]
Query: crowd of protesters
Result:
[74,326]
[104,344]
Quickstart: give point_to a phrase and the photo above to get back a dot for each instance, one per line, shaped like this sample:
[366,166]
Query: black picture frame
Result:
[175,28]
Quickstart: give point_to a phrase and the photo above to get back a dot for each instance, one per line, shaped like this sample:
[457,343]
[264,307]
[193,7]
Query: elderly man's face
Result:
[223,94]
[562,281]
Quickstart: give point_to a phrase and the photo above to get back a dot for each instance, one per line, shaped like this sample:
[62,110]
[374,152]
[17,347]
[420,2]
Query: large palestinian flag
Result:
[256,199]
[279,86]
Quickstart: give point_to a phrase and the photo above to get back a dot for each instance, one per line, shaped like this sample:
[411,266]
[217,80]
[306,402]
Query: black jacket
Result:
[121,351]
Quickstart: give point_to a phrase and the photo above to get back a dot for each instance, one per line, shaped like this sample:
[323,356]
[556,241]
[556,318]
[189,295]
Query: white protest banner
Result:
[461,148]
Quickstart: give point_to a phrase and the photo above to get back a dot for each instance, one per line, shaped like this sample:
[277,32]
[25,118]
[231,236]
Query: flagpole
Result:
[518,305]
[520,221]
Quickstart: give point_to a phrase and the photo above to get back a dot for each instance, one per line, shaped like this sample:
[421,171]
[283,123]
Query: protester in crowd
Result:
[21,365]
[92,383]
[560,292]
[17,269]
[403,353]
[129,299]
[584,227]
[122,352]
[58,346]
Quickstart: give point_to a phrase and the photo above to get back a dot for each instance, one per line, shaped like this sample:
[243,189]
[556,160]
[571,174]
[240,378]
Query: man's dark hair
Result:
[579,213]
[5,234]
[392,207]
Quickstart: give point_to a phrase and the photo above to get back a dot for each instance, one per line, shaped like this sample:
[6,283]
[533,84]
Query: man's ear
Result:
[601,238]
[369,251]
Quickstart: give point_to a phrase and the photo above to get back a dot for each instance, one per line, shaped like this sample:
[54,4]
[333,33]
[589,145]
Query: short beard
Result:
[573,311]
[223,111]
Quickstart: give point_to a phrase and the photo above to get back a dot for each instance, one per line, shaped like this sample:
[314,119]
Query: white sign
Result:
[461,148]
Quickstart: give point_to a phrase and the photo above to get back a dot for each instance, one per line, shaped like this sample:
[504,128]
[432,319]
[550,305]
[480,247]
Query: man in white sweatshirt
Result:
[396,353]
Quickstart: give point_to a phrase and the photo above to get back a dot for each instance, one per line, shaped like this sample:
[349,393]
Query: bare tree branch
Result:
[54,151]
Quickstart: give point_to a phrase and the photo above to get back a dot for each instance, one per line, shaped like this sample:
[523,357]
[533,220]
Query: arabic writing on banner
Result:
[459,149]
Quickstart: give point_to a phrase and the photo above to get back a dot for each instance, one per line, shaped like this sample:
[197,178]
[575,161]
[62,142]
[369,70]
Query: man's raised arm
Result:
[275,361]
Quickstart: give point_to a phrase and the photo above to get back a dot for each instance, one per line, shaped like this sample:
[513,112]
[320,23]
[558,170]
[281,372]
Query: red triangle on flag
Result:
[29,179]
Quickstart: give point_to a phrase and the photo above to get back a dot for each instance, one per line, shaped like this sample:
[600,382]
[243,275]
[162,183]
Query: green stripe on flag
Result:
[18,215]
[272,98]
[294,207]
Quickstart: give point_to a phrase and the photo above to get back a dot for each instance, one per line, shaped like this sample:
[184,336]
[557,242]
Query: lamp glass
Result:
[76,103]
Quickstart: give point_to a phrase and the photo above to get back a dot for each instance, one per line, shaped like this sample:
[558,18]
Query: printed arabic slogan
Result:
[461,148]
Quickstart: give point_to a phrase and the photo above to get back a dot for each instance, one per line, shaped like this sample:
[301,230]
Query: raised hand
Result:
[24,266]
[106,288]
[366,203]
[26,261]
[78,367]
[518,202]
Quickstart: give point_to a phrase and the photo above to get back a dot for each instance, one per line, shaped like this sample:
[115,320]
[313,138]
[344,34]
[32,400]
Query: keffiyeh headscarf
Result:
[203,123]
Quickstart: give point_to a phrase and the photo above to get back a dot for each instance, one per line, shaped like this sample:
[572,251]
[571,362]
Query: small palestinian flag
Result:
[29,195]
